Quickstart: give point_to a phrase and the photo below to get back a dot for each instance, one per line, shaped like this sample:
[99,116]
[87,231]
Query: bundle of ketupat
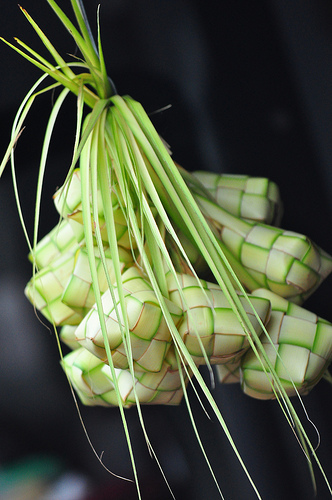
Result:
[298,343]
[153,271]
[138,235]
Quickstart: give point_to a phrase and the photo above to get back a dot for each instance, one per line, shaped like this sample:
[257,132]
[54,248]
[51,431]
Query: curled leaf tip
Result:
[25,12]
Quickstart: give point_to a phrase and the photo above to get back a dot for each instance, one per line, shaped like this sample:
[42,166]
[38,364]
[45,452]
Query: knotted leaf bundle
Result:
[153,271]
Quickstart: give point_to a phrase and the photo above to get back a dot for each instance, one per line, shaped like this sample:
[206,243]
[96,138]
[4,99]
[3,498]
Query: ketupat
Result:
[94,383]
[150,337]
[251,198]
[299,345]
[128,187]
[60,239]
[46,288]
[282,261]
[209,327]
[62,290]
[68,203]
[297,342]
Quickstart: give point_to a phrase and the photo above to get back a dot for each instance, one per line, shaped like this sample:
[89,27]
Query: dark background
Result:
[250,89]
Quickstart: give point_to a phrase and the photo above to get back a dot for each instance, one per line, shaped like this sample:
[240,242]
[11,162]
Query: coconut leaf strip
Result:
[213,258]
[41,172]
[180,344]
[55,54]
[182,347]
[84,44]
[135,156]
[193,423]
[108,86]
[127,343]
[88,190]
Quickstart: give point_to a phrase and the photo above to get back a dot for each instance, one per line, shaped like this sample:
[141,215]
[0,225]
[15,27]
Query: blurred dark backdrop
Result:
[249,84]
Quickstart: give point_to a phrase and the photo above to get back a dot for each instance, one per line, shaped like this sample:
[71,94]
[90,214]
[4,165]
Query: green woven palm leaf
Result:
[62,290]
[300,352]
[68,202]
[78,293]
[45,289]
[229,373]
[282,261]
[59,240]
[67,336]
[95,386]
[150,337]
[209,327]
[251,198]
[121,273]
